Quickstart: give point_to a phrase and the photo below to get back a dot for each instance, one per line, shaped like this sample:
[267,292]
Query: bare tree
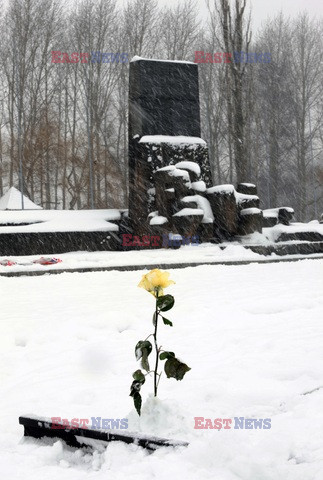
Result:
[179,27]
[274,105]
[139,27]
[236,38]
[307,91]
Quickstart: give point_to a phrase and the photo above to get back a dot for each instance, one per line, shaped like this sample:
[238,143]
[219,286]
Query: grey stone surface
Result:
[247,188]
[187,225]
[225,211]
[248,201]
[163,98]
[250,222]
[268,222]
[284,216]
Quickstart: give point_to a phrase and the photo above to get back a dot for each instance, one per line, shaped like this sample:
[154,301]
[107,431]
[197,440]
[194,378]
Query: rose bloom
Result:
[155,281]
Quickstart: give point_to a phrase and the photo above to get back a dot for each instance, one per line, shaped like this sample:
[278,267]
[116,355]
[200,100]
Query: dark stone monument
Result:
[163,98]
[170,184]
[163,101]
[172,199]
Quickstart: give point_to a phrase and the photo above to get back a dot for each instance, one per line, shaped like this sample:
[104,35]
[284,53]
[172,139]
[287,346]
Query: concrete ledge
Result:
[46,243]
[304,248]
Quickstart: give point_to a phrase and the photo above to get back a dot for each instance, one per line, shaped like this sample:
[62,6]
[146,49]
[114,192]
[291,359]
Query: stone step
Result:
[304,248]
[303,236]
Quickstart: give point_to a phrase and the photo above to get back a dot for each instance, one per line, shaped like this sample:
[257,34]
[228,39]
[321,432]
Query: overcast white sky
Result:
[261,9]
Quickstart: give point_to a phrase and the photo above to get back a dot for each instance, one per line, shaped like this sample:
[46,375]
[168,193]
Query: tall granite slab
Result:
[163,100]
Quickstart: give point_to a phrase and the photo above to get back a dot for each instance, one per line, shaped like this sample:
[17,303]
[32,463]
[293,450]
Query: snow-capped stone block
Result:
[137,58]
[221,189]
[273,212]
[168,169]
[285,215]
[172,140]
[192,168]
[251,220]
[298,232]
[187,221]
[188,212]
[201,203]
[250,211]
[198,186]
[172,171]
[270,213]
[247,201]
[225,210]
[171,185]
[247,188]
[282,215]
[158,220]
[153,214]
[180,173]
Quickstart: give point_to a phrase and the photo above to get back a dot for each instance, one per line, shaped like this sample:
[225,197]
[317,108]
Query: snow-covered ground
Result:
[186,254]
[251,334]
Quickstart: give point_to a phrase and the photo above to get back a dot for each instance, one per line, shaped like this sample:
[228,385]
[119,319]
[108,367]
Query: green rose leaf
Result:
[145,363]
[135,387]
[142,350]
[139,380]
[139,376]
[166,355]
[138,352]
[137,402]
[175,369]
[154,318]
[141,346]
[167,322]
[165,303]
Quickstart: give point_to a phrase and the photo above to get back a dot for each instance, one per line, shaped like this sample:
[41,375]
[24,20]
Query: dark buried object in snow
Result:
[39,427]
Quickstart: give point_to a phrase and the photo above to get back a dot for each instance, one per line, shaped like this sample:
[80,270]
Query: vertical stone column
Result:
[163,100]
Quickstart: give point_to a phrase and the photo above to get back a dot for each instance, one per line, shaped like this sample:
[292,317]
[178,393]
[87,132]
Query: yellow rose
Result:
[155,281]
